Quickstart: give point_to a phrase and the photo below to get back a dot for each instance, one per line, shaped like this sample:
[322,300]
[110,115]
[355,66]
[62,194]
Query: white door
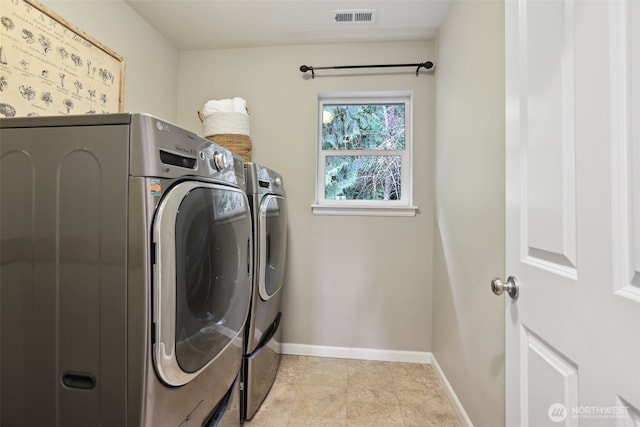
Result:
[573,212]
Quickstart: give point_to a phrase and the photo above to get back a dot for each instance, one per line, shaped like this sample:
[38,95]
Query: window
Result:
[364,155]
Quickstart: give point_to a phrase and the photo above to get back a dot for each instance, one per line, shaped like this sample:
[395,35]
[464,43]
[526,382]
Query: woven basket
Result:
[238,144]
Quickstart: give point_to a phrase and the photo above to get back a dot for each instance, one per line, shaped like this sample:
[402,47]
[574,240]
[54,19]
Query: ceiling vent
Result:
[354,16]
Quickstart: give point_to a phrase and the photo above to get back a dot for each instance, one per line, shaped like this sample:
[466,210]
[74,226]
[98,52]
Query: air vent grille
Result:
[354,16]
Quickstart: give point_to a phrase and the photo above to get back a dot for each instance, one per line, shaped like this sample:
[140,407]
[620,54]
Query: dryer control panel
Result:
[262,180]
[165,150]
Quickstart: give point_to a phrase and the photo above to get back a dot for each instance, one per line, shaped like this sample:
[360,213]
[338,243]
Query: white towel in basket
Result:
[235,105]
[225,116]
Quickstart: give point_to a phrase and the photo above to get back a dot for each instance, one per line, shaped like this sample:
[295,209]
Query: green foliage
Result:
[362,178]
[363,127]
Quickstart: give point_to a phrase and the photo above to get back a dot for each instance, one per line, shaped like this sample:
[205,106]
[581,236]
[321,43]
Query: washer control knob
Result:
[218,161]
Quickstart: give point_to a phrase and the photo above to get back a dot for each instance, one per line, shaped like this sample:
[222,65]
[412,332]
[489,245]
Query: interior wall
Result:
[468,320]
[151,62]
[355,282]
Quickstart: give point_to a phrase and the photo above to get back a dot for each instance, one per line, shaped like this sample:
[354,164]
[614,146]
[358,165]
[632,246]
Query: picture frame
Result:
[50,67]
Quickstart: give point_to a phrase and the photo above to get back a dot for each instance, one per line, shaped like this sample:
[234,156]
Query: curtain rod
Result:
[428,65]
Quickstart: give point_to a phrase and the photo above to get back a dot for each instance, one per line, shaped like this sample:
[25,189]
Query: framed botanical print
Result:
[49,67]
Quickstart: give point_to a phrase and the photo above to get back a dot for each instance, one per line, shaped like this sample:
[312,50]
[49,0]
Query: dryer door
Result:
[202,283]
[273,245]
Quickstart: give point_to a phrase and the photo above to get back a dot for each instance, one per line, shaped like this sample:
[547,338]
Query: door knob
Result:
[511,287]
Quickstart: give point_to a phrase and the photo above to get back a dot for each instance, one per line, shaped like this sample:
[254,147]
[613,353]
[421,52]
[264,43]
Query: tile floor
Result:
[314,392]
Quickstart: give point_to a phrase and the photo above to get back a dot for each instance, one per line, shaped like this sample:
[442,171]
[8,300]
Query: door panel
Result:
[573,212]
[547,135]
[548,378]
[625,136]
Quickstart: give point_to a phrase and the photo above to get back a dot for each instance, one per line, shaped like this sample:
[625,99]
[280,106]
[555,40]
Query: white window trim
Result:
[403,207]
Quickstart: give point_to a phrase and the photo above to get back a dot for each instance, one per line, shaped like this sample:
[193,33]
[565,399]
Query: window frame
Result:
[402,207]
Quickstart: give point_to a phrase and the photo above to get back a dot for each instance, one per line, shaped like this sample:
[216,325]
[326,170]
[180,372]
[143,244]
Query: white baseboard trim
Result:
[356,353]
[457,405]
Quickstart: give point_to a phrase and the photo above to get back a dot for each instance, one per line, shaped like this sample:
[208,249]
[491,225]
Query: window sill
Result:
[364,210]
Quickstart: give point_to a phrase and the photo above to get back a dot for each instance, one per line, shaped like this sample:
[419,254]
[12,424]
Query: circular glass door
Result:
[202,285]
[273,245]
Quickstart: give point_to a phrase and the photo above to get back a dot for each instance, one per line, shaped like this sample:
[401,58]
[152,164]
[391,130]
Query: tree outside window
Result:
[364,152]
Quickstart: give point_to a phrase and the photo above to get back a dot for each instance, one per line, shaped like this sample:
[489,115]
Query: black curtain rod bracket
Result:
[428,65]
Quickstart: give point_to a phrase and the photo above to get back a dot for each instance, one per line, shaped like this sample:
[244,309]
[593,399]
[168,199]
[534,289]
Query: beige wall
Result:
[468,321]
[151,62]
[358,282]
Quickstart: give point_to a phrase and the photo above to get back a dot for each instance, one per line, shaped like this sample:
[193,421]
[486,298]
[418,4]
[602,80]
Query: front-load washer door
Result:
[202,281]
[273,245]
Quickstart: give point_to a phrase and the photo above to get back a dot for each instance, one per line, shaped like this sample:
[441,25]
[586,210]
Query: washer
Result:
[263,333]
[125,277]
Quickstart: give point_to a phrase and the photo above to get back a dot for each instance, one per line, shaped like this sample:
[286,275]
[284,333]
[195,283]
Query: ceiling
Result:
[220,24]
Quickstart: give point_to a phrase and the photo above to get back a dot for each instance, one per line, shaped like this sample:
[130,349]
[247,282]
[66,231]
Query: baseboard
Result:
[356,353]
[457,405]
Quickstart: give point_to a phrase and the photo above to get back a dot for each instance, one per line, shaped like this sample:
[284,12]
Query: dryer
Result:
[125,273]
[261,358]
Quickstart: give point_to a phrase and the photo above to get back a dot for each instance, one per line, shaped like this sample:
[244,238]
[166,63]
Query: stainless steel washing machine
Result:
[125,273]
[261,359]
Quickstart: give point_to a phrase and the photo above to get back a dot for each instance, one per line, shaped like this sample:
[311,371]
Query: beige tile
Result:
[290,360]
[427,408]
[429,371]
[326,363]
[372,405]
[325,371]
[319,392]
[267,417]
[281,397]
[371,374]
[442,420]
[431,375]
[291,369]
[410,376]
[320,401]
[361,423]
[302,421]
